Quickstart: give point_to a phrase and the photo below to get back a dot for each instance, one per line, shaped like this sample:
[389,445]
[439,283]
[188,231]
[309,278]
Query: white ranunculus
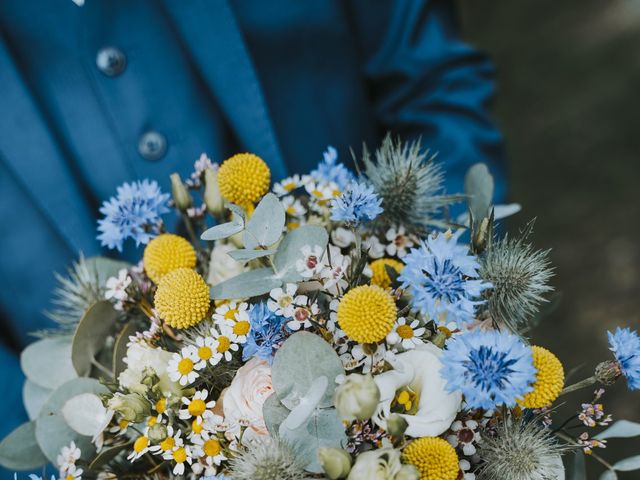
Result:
[141,356]
[242,401]
[221,266]
[419,369]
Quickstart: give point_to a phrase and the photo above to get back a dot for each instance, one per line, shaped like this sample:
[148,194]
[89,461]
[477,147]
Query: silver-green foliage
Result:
[520,276]
[409,182]
[267,459]
[521,451]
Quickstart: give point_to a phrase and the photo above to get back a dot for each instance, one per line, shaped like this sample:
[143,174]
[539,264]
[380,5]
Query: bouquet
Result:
[332,325]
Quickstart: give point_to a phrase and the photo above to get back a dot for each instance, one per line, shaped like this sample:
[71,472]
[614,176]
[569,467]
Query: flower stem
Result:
[587,382]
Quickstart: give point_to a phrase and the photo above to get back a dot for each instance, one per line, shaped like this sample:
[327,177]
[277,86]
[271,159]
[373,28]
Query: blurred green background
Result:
[569,107]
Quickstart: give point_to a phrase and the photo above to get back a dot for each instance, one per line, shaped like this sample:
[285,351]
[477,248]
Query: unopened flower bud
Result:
[212,197]
[181,196]
[396,425]
[357,398]
[335,462]
[608,372]
[132,407]
[408,472]
[157,433]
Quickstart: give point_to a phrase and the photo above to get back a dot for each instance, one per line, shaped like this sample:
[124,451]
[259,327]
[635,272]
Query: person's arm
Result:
[425,82]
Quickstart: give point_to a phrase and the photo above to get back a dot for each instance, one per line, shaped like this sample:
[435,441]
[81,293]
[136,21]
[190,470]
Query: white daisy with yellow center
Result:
[179,453]
[167,444]
[405,334]
[293,207]
[227,343]
[72,473]
[196,406]
[287,185]
[182,366]
[161,408]
[236,317]
[120,428]
[210,449]
[141,445]
[205,347]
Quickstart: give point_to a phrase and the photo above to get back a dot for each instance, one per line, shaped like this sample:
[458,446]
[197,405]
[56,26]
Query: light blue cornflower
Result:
[357,204]
[625,345]
[490,368]
[265,335]
[442,279]
[133,213]
[330,170]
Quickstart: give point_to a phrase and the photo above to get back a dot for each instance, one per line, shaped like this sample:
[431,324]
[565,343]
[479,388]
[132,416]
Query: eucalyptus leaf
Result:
[301,359]
[609,475]
[86,414]
[20,451]
[478,185]
[265,226]
[245,255]
[224,230]
[247,284]
[290,250]
[620,429]
[91,334]
[120,349]
[107,454]
[47,362]
[34,397]
[274,413]
[579,470]
[106,267]
[239,212]
[628,464]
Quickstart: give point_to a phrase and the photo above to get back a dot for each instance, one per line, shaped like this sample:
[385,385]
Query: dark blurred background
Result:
[569,106]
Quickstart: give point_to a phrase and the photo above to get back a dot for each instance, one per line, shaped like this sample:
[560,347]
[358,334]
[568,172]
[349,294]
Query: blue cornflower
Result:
[133,213]
[490,368]
[358,203]
[330,170]
[625,345]
[443,279]
[265,335]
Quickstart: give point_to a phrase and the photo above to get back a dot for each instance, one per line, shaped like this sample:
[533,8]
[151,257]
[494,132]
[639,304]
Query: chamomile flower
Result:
[120,428]
[210,449]
[205,346]
[72,473]
[181,367]
[180,454]
[322,193]
[399,242]
[227,343]
[197,406]
[293,207]
[406,334]
[167,444]
[287,185]
[161,408]
[311,264]
[140,447]
[282,300]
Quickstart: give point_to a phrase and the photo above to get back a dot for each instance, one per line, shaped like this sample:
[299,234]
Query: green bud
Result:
[408,472]
[396,425]
[181,195]
[157,433]
[132,407]
[357,398]
[335,462]
[212,197]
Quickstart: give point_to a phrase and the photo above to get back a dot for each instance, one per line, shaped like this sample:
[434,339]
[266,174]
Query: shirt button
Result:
[152,145]
[111,61]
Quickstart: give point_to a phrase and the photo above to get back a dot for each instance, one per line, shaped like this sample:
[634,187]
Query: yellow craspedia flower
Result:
[549,379]
[434,458]
[367,314]
[182,298]
[244,179]
[380,276]
[166,253]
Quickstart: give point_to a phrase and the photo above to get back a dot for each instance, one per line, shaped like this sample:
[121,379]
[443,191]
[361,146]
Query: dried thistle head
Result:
[268,459]
[520,277]
[409,183]
[520,450]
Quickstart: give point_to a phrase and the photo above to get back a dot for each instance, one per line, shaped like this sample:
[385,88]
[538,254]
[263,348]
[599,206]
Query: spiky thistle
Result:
[268,459]
[74,294]
[520,450]
[520,276]
[409,182]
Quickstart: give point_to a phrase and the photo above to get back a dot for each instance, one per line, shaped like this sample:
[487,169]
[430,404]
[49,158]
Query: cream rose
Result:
[242,401]
[419,370]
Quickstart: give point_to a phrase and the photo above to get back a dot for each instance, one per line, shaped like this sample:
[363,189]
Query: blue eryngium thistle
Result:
[265,333]
[267,459]
[490,368]
[357,204]
[625,345]
[133,213]
[330,170]
[442,279]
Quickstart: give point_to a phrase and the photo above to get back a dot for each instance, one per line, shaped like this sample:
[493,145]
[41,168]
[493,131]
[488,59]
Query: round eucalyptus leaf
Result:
[20,451]
[91,333]
[86,414]
[106,267]
[274,413]
[34,397]
[47,362]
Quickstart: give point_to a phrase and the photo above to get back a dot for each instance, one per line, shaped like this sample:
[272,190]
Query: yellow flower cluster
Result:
[549,379]
[182,298]
[380,276]
[165,253]
[434,458]
[367,314]
[244,179]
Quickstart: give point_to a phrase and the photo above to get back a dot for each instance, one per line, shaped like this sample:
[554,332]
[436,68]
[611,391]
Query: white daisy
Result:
[227,343]
[400,242]
[287,185]
[311,264]
[231,312]
[293,207]
[72,473]
[210,449]
[121,427]
[181,367]
[180,454]
[205,347]
[406,335]
[140,447]
[197,406]
[167,444]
